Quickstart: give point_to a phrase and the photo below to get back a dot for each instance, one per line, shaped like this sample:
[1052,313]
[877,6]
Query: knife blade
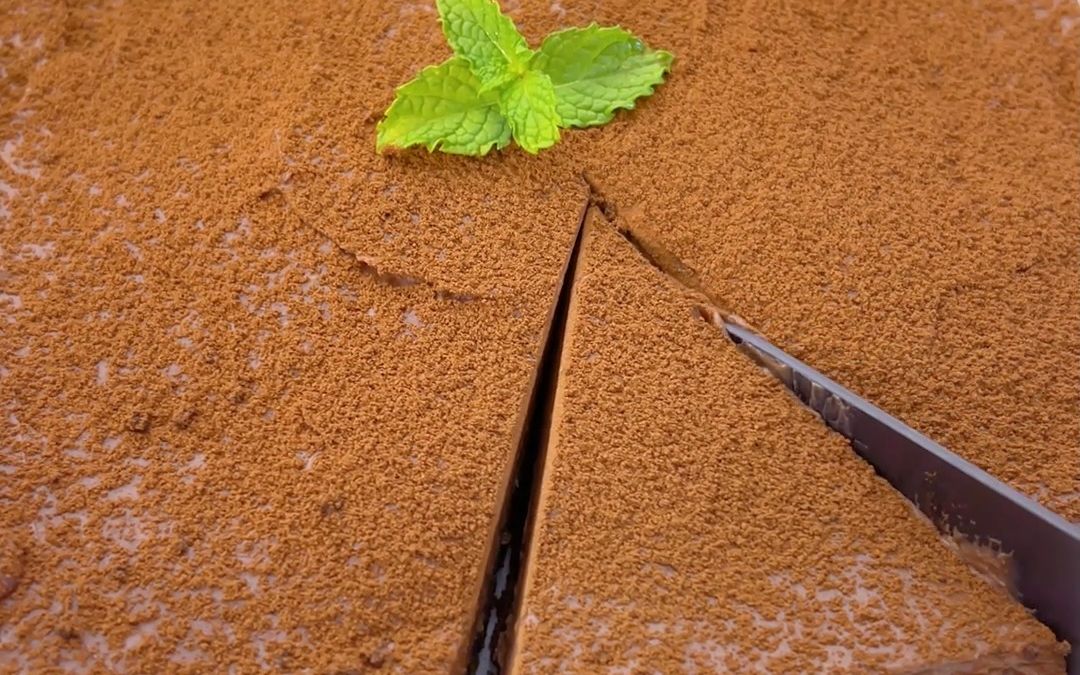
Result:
[962,500]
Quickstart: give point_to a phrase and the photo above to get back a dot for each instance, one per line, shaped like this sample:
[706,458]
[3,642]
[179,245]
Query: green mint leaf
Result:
[444,108]
[528,103]
[597,70]
[478,32]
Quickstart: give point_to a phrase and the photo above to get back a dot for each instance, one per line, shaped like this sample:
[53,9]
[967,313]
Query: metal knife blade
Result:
[960,498]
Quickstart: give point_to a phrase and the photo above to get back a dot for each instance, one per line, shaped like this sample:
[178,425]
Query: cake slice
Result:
[693,517]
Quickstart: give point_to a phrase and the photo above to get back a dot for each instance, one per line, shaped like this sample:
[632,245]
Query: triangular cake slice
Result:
[694,518]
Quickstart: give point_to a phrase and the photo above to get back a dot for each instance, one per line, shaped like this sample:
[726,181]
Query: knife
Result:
[962,500]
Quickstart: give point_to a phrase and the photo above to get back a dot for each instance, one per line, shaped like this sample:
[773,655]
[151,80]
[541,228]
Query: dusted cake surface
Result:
[693,517]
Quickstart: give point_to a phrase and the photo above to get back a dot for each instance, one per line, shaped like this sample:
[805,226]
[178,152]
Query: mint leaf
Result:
[443,108]
[597,70]
[528,103]
[478,32]
[495,87]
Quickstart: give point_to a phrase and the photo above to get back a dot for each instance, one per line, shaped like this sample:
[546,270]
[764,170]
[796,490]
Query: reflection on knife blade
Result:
[957,496]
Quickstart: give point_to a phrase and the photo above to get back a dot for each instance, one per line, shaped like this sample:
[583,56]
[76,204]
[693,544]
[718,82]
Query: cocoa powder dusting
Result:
[260,384]
[226,442]
[693,518]
[891,193]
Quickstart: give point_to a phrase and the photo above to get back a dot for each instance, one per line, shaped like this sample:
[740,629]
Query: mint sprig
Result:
[496,88]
